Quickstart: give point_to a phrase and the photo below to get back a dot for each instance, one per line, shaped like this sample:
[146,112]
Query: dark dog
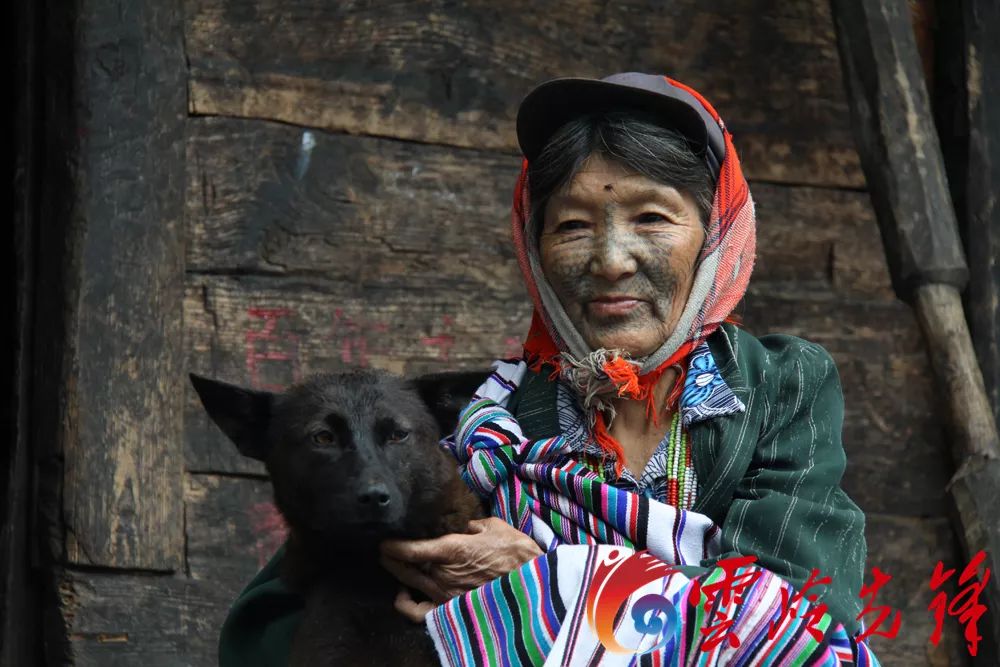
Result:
[354,459]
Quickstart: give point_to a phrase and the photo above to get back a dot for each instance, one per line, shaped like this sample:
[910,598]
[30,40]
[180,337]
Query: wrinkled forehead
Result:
[600,183]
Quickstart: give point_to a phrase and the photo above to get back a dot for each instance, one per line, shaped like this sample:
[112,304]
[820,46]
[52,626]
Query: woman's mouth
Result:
[610,306]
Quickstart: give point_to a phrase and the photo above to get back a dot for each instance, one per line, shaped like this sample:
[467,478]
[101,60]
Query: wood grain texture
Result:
[900,153]
[122,424]
[942,319]
[980,219]
[908,549]
[267,198]
[233,529]
[116,619]
[769,67]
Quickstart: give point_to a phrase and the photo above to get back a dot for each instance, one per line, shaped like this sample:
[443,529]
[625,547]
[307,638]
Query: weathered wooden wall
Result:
[349,168]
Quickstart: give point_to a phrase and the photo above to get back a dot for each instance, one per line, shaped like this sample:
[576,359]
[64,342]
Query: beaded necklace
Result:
[681,479]
[668,477]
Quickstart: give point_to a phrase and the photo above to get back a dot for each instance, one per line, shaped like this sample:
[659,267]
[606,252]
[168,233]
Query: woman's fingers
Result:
[480,525]
[410,608]
[415,578]
[512,541]
[447,566]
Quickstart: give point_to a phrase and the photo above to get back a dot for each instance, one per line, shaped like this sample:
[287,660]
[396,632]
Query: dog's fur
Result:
[345,478]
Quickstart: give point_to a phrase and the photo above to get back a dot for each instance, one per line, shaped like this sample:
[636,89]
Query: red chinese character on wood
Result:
[965,605]
[790,605]
[729,590]
[881,578]
[268,345]
[353,337]
[444,341]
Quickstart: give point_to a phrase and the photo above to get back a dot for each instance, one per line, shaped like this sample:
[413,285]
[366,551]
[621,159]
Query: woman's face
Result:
[619,250]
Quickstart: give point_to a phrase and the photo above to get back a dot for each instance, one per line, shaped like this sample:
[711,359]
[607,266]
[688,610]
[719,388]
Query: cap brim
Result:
[554,103]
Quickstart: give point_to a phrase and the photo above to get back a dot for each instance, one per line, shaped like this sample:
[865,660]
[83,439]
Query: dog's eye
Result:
[398,435]
[323,438]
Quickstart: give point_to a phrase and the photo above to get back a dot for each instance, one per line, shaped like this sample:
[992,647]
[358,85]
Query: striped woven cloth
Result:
[537,615]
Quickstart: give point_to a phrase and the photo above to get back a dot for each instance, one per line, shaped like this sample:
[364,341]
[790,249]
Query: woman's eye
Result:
[571,225]
[398,435]
[651,217]
[323,438]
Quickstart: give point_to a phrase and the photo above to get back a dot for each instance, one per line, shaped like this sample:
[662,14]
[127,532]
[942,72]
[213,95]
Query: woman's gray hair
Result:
[631,139]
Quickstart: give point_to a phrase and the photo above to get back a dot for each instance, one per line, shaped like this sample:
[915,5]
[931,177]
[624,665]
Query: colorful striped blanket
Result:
[568,606]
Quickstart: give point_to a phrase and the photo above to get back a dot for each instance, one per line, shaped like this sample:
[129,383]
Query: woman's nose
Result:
[613,258]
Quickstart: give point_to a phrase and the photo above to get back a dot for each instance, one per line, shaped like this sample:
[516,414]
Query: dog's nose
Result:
[377,495]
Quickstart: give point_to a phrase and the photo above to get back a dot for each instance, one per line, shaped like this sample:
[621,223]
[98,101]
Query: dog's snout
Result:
[376,495]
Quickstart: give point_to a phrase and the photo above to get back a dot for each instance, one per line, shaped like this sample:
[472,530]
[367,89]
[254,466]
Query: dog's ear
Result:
[445,394]
[242,414]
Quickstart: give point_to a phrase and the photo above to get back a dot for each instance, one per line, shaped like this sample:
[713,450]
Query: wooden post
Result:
[902,161]
[109,336]
[980,223]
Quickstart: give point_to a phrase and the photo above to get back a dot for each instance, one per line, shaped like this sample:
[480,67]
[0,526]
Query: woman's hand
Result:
[447,566]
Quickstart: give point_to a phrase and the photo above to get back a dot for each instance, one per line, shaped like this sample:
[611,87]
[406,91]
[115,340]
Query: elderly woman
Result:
[641,419]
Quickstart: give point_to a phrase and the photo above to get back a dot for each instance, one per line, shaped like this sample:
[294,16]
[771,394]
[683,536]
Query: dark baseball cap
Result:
[554,103]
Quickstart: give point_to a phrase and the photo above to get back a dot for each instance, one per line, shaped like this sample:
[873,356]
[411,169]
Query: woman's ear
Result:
[445,394]
[244,415]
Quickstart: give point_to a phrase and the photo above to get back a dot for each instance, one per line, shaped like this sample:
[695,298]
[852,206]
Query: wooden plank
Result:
[117,619]
[815,238]
[121,411]
[908,548]
[264,197]
[232,528]
[352,67]
[269,198]
[268,332]
[114,618]
[901,155]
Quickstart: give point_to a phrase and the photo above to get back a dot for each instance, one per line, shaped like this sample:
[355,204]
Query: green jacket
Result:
[769,476]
